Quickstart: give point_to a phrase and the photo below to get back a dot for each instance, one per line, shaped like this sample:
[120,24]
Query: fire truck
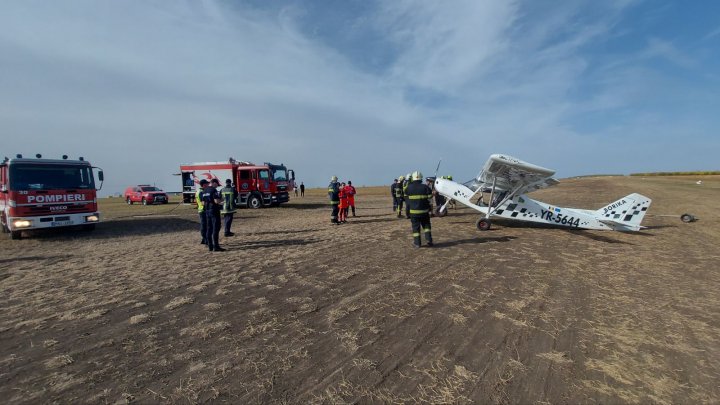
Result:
[257,185]
[47,193]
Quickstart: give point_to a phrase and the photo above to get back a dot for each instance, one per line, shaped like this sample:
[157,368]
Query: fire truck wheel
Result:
[144,202]
[129,201]
[15,235]
[254,202]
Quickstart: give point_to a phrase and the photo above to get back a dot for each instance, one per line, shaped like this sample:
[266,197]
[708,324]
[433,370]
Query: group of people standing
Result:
[211,205]
[342,199]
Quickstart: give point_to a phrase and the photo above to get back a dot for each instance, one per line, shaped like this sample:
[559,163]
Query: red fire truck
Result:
[47,193]
[257,185]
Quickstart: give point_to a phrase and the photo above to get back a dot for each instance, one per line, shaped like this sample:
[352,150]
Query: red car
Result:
[145,194]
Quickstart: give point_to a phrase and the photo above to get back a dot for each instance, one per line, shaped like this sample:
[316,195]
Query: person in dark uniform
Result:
[212,200]
[201,210]
[334,195]
[229,196]
[392,194]
[399,196]
[418,196]
[302,189]
[404,187]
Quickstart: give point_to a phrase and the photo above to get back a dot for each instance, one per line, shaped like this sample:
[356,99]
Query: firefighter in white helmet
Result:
[418,196]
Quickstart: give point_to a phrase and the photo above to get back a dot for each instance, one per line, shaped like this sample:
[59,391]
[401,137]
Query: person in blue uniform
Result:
[229,196]
[201,210]
[334,196]
[212,201]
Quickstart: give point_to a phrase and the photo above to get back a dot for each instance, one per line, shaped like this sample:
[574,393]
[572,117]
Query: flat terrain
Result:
[299,311]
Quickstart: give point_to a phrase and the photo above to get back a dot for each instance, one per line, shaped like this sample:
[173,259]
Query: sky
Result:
[365,90]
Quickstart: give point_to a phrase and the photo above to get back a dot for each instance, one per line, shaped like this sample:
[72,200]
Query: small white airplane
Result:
[508,179]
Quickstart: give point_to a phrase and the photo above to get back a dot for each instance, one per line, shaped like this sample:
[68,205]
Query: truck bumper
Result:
[281,198]
[52,221]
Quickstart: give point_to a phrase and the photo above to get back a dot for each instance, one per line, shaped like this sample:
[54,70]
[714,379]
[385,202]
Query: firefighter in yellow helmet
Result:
[418,196]
[334,195]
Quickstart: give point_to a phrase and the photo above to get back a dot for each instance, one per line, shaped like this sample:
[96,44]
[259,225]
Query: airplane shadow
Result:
[598,238]
[303,206]
[474,241]
[33,258]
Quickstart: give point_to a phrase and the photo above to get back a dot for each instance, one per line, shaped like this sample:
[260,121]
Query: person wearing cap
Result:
[229,196]
[201,210]
[418,197]
[334,195]
[212,200]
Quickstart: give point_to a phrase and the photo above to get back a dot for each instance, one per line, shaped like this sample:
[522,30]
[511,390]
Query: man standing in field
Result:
[302,189]
[350,193]
[399,197]
[418,198]
[333,194]
[201,210]
[229,196]
[212,200]
[392,194]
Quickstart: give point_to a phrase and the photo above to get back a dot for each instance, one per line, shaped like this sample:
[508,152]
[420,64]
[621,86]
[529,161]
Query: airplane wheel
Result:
[440,212]
[687,218]
[483,224]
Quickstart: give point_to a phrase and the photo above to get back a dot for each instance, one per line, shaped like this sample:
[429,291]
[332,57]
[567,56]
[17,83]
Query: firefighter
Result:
[333,191]
[418,196]
[399,196]
[201,210]
[343,206]
[392,194]
[212,201]
[405,186]
[229,196]
[350,193]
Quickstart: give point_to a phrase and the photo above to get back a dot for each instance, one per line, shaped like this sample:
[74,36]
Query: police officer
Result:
[334,195]
[201,210]
[212,200]
[399,196]
[418,196]
[229,197]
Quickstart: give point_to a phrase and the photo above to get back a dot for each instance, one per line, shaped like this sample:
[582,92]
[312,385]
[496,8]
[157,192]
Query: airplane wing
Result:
[511,173]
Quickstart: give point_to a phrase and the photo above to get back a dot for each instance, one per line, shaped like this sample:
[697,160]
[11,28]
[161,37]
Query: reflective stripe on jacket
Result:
[418,196]
[198,200]
[228,195]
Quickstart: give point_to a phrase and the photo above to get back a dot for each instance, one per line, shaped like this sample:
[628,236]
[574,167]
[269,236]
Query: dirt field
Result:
[299,311]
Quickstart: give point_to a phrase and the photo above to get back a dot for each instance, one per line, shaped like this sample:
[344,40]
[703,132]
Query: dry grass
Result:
[298,311]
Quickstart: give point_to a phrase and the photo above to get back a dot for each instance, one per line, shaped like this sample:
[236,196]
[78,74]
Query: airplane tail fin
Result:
[626,213]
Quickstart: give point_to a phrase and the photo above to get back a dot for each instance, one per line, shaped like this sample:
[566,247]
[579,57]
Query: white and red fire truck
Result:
[47,193]
[257,185]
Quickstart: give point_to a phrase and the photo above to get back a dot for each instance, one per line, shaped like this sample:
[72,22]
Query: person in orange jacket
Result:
[350,193]
[342,207]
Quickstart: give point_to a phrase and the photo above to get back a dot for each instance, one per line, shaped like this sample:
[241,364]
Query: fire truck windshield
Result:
[33,176]
[279,173]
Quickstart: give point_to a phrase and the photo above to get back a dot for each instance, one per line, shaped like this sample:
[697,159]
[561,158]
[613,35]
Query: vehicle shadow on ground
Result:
[251,245]
[143,226]
[33,258]
[474,241]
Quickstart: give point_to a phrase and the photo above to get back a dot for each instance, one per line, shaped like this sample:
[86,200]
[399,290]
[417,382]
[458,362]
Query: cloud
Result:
[367,91]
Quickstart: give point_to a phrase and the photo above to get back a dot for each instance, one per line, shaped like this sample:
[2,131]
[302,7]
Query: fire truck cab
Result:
[47,193]
[257,185]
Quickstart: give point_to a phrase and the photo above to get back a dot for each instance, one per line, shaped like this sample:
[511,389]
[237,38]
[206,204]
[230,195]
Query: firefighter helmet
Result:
[333,178]
[417,175]
[401,178]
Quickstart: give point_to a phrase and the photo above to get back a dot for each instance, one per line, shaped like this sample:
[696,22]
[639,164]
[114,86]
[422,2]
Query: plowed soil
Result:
[300,311]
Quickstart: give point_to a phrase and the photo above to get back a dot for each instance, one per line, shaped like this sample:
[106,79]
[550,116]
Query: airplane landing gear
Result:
[483,224]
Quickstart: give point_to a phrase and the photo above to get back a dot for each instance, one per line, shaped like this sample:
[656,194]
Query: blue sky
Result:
[366,90]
